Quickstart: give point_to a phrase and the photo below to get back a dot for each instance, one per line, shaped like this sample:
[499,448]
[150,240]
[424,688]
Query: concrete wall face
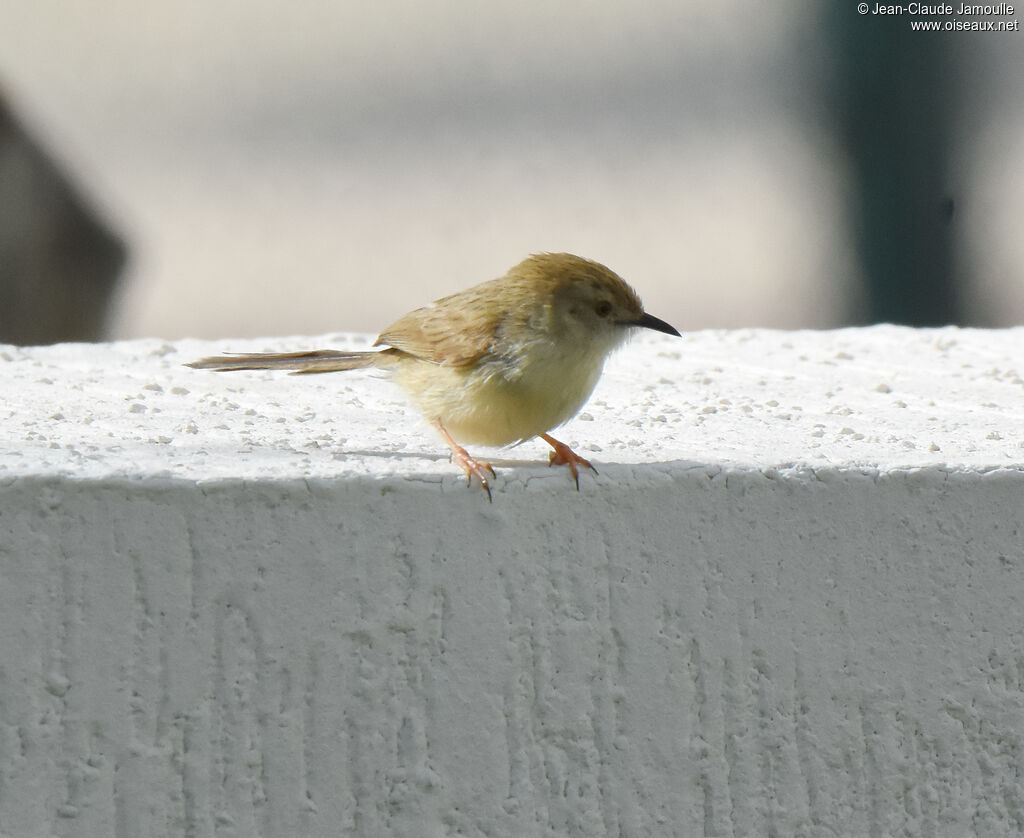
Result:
[790,604]
[709,654]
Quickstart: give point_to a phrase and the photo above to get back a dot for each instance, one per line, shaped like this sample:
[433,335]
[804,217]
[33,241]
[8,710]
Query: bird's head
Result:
[586,299]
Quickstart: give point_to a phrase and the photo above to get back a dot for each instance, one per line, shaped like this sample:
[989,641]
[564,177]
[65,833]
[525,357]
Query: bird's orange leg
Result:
[563,455]
[469,464]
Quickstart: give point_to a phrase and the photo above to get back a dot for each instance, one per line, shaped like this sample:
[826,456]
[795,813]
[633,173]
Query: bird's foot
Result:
[563,455]
[469,464]
[473,468]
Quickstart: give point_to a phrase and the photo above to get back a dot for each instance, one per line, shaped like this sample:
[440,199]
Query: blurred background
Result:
[260,168]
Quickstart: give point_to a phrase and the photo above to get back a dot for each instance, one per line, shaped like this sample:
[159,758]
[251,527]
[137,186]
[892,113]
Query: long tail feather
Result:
[319,360]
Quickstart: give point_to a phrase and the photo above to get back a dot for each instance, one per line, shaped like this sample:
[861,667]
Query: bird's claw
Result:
[563,455]
[474,468]
[468,464]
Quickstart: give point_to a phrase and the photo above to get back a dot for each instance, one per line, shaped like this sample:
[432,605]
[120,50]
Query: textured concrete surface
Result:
[791,603]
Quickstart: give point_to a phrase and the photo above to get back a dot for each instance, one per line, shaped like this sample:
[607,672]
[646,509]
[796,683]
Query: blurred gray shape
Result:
[59,262]
[895,103]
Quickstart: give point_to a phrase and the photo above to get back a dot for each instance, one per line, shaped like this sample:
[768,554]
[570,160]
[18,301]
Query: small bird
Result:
[498,363]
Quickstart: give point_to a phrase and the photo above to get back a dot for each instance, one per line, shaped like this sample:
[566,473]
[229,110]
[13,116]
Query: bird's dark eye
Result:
[603,308]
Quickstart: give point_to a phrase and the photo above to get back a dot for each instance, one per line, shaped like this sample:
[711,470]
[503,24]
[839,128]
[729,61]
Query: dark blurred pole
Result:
[59,262]
[893,107]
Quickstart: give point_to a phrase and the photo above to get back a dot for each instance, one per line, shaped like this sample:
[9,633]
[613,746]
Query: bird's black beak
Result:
[649,321]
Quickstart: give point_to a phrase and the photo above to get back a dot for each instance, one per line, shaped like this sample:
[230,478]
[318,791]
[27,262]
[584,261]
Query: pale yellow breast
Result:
[498,402]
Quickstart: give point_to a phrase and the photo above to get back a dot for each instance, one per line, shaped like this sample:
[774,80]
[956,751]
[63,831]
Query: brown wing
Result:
[455,330]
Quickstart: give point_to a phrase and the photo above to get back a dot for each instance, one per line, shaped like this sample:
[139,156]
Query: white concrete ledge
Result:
[792,602]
